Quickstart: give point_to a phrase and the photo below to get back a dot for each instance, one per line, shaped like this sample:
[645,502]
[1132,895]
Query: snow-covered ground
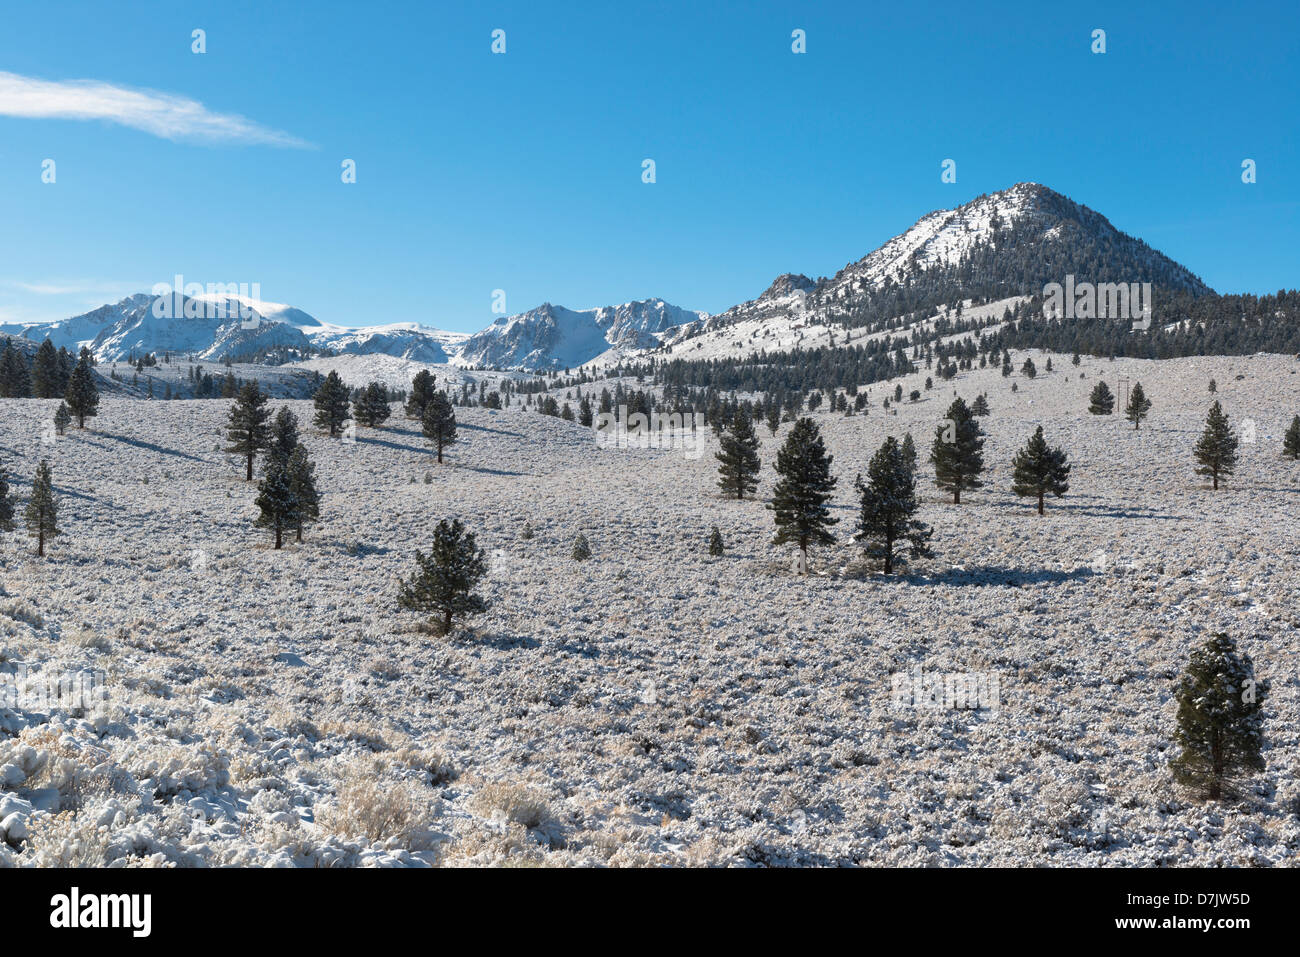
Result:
[652,705]
[396,373]
[283,381]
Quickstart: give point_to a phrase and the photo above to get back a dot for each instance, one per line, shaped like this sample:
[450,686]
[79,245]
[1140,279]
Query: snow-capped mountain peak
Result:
[998,247]
[558,337]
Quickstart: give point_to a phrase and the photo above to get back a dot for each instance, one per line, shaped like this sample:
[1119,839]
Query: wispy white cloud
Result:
[46,300]
[166,115]
[58,288]
[71,287]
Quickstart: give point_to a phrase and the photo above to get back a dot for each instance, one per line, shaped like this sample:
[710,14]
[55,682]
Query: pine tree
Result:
[332,402]
[301,474]
[1220,719]
[439,423]
[1138,406]
[887,506]
[908,449]
[422,390]
[82,397]
[445,579]
[980,407]
[283,436]
[6,503]
[1102,401]
[1029,369]
[802,490]
[377,399]
[1039,469]
[61,418]
[715,543]
[66,366]
[773,417]
[15,376]
[45,372]
[581,548]
[277,504]
[370,407]
[957,453]
[738,471]
[247,430]
[1217,450]
[42,508]
[1291,441]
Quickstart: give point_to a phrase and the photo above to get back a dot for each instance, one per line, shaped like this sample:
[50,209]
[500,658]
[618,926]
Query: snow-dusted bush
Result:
[385,812]
[514,803]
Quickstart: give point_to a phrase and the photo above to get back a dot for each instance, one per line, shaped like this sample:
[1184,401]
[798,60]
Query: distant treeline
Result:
[1181,325]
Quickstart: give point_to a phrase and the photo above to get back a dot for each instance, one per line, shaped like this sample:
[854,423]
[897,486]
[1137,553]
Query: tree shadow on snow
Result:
[400,446]
[487,471]
[998,575]
[484,428]
[1029,507]
[501,642]
[140,444]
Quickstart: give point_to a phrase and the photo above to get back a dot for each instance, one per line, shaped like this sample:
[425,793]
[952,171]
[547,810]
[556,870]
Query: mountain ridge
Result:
[996,246]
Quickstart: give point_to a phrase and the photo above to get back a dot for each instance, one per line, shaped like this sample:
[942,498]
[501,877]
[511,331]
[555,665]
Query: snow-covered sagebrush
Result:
[225,703]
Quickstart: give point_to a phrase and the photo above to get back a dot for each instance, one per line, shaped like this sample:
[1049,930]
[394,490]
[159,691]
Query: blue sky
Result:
[522,171]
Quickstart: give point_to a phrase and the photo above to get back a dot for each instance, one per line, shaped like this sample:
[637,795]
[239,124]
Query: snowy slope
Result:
[791,329]
[396,372]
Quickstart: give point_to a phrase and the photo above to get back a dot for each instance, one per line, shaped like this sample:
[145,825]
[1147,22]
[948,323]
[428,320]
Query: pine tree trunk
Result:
[249,476]
[40,543]
[1215,476]
[439,450]
[446,622]
[1040,502]
[300,531]
[956,495]
[279,536]
[1217,767]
